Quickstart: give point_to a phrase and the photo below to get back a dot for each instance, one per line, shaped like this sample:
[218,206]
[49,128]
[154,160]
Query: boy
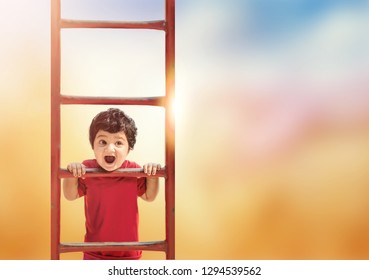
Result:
[111,202]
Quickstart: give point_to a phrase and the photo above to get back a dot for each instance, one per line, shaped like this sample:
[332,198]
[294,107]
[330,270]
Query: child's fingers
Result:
[80,170]
[155,168]
[76,169]
[148,169]
[72,168]
[151,168]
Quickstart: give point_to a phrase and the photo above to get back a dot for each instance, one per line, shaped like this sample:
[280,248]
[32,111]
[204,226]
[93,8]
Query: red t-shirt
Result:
[111,210]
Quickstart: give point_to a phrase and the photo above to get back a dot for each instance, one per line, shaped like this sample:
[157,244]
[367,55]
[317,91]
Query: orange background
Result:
[261,172]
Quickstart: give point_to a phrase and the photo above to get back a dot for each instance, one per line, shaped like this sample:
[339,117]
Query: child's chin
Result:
[109,168]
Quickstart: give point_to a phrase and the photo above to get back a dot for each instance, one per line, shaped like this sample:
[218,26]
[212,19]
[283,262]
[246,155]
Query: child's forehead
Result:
[104,133]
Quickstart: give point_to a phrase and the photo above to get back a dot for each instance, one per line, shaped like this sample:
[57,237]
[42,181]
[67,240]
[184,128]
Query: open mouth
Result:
[109,159]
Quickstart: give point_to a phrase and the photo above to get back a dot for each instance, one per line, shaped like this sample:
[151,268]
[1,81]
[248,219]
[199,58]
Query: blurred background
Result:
[272,118]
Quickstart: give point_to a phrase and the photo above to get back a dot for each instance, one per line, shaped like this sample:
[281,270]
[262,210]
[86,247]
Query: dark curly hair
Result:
[114,120]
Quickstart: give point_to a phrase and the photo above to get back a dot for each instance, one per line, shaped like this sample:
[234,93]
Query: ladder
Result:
[58,99]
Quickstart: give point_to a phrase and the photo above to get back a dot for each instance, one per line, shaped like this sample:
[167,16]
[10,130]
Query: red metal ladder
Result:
[166,101]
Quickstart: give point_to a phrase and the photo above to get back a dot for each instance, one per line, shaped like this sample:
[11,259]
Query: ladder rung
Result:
[153,101]
[112,246]
[68,23]
[122,172]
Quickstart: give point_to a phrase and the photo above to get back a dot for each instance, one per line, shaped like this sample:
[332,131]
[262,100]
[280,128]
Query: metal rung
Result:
[68,23]
[122,172]
[112,246]
[151,101]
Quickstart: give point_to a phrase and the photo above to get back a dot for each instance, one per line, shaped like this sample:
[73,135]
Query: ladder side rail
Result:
[55,128]
[169,128]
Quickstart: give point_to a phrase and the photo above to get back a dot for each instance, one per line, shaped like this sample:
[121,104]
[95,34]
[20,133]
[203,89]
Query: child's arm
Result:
[152,184]
[70,185]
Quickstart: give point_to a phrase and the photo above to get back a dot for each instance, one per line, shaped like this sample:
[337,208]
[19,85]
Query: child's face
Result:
[111,149]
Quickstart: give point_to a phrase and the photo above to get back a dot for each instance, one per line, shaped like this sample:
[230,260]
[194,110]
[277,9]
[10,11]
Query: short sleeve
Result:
[141,181]
[81,187]
[141,186]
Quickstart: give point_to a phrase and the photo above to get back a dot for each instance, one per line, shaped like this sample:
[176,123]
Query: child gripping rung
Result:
[121,172]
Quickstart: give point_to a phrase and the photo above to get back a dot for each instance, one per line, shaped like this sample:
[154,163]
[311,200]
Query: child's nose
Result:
[110,148]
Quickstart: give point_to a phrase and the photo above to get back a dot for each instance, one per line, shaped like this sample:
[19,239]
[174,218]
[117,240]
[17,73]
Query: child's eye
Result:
[102,142]
[119,143]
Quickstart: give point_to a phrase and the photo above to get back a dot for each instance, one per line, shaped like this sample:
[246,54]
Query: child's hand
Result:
[77,169]
[151,168]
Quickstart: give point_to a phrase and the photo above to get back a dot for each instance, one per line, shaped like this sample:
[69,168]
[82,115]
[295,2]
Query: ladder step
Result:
[112,246]
[157,24]
[122,172]
[152,101]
